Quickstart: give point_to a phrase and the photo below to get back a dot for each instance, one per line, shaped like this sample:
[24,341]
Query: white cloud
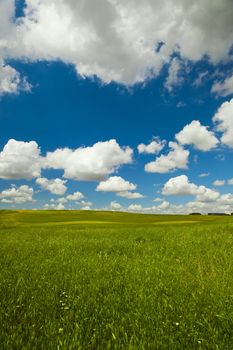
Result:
[204,174]
[224,120]
[223,88]
[76,196]
[130,195]
[115,206]
[177,158]
[17,195]
[174,77]
[55,186]
[90,163]
[61,200]
[86,204]
[115,184]
[153,147]
[157,200]
[123,33]
[207,194]
[11,81]
[59,206]
[230,181]
[197,135]
[135,207]
[180,186]
[20,160]
[219,183]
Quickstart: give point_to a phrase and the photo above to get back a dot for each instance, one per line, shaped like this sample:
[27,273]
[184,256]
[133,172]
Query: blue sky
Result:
[65,93]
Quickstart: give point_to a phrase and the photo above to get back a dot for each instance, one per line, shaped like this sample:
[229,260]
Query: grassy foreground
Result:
[101,280]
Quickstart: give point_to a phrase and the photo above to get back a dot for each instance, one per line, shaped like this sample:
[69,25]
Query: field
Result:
[103,280]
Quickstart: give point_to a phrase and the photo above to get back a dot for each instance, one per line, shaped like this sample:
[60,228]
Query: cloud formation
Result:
[115,184]
[55,186]
[223,88]
[177,158]
[127,35]
[181,186]
[90,163]
[198,136]
[224,120]
[17,195]
[20,160]
[153,147]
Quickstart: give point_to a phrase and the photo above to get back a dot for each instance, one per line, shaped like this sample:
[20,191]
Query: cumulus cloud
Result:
[20,160]
[219,183]
[204,175]
[17,195]
[115,184]
[153,147]
[124,33]
[181,186]
[90,163]
[130,195]
[54,206]
[115,206]
[223,88]
[224,120]
[120,186]
[174,77]
[177,158]
[55,186]
[135,207]
[230,181]
[198,136]
[76,196]
[11,81]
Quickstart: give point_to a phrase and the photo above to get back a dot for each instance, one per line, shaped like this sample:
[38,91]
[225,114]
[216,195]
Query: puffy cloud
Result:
[224,120]
[177,158]
[180,185]
[115,184]
[11,81]
[135,207]
[76,196]
[130,195]
[17,195]
[152,148]
[197,135]
[230,181]
[223,88]
[174,77]
[204,174]
[53,206]
[90,163]
[157,200]
[223,204]
[206,194]
[86,204]
[55,186]
[115,206]
[125,34]
[219,183]
[20,160]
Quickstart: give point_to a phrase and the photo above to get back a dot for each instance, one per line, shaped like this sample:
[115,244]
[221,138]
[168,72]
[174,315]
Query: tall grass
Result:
[116,286]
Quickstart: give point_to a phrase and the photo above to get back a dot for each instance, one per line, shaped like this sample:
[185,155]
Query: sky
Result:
[116,105]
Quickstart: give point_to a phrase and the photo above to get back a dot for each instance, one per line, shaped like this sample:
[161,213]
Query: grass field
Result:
[103,280]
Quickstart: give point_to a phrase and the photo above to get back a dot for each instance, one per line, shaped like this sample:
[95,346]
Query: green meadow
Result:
[104,280]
